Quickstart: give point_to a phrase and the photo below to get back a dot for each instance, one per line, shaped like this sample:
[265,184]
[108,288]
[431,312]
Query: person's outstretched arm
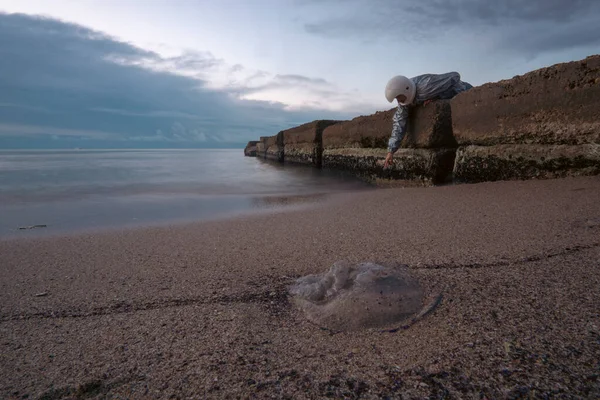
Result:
[398,131]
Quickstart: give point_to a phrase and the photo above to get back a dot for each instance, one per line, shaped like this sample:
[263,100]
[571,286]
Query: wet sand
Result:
[201,310]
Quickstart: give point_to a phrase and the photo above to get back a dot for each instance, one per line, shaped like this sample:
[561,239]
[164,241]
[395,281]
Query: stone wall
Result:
[274,147]
[371,131]
[430,127]
[303,144]
[426,154]
[525,161]
[250,149]
[423,166]
[542,124]
[261,148]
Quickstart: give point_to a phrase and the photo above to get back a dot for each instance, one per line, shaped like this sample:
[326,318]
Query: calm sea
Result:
[80,190]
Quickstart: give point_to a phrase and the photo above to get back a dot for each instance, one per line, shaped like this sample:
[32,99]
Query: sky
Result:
[172,74]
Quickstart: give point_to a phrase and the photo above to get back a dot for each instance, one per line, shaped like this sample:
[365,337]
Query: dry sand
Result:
[201,311]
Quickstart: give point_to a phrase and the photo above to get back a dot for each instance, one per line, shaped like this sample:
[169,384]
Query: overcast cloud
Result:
[221,73]
[63,81]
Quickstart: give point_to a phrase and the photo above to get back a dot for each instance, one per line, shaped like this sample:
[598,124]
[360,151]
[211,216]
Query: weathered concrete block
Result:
[250,149]
[427,127]
[261,148]
[554,105]
[430,166]
[303,144]
[430,127]
[522,161]
[274,147]
[360,145]
[371,131]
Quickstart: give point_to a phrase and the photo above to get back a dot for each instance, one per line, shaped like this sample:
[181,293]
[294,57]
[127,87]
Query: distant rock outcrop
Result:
[260,147]
[250,150]
[543,124]
[274,147]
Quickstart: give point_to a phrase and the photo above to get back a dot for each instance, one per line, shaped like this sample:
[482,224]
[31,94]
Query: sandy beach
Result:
[202,311]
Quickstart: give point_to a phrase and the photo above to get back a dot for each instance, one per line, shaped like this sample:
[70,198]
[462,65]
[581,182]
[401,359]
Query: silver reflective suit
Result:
[429,87]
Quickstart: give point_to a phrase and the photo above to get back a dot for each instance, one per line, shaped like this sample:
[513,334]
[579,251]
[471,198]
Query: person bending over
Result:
[410,92]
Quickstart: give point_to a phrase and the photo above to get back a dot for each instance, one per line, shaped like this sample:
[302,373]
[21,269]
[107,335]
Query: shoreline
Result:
[113,190]
[201,309]
[262,204]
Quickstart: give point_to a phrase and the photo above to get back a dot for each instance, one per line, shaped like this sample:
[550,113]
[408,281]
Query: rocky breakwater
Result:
[543,124]
[260,147]
[426,155]
[250,149]
[303,144]
[274,147]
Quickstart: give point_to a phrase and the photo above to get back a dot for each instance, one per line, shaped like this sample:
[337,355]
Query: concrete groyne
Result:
[542,124]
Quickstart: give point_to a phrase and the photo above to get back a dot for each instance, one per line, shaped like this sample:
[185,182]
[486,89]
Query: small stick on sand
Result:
[33,226]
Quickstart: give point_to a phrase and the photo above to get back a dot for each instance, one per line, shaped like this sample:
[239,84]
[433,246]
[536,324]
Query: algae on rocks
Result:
[502,162]
[429,166]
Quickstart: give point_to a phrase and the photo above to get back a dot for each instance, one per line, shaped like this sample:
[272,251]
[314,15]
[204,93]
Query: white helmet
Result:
[400,85]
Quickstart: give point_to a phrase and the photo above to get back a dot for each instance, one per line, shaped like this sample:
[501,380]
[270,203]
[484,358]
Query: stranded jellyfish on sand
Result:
[351,297]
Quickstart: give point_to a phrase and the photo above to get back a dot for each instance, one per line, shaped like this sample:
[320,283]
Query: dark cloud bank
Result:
[63,85]
[530,27]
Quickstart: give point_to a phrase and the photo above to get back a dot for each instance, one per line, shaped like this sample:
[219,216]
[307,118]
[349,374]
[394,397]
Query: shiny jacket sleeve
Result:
[398,128]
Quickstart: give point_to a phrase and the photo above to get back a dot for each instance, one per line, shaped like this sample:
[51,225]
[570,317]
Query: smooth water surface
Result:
[79,189]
